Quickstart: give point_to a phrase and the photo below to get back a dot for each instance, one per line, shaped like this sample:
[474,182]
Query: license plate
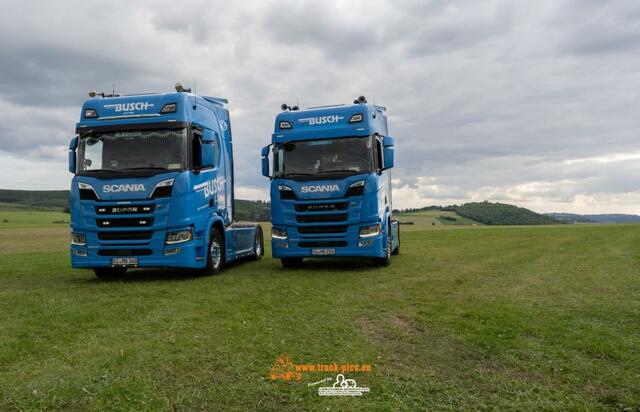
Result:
[124,261]
[323,252]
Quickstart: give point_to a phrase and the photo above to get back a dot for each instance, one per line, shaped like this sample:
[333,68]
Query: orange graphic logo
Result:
[283,368]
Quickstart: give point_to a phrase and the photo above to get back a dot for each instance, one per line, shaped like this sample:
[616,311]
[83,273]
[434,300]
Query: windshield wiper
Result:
[144,168]
[297,174]
[102,171]
[338,171]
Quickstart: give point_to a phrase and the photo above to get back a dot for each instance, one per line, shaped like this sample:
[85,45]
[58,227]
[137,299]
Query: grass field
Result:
[435,218]
[474,318]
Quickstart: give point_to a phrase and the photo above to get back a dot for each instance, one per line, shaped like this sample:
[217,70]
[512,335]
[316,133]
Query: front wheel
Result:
[109,273]
[386,260]
[215,253]
[258,245]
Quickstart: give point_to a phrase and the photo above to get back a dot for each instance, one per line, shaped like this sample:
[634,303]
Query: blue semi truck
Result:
[153,185]
[331,184]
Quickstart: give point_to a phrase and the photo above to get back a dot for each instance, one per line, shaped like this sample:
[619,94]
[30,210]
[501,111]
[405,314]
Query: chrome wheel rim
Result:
[389,247]
[215,251]
[258,245]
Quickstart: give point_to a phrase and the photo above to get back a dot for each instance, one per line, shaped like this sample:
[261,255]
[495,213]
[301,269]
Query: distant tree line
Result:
[36,199]
[492,213]
[247,210]
[502,214]
[252,210]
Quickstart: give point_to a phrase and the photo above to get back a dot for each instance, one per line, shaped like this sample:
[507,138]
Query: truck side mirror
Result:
[72,154]
[265,161]
[387,143]
[207,148]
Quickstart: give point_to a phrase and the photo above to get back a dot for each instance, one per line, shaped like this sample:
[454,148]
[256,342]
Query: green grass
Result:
[485,318]
[11,218]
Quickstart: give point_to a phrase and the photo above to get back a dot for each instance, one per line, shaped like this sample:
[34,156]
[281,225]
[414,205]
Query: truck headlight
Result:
[178,237]
[280,234]
[370,231]
[78,239]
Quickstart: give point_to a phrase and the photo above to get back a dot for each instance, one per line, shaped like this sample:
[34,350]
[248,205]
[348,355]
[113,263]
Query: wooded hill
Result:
[492,213]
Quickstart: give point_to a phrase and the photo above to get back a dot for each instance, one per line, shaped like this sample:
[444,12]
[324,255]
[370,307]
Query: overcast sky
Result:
[531,103]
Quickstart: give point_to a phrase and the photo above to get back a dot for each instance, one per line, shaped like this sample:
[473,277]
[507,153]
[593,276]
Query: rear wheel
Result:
[215,253]
[258,245]
[397,249]
[294,262]
[109,273]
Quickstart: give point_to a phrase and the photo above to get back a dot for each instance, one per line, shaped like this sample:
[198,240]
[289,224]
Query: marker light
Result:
[169,108]
[356,118]
[181,89]
[93,93]
[163,189]
[360,100]
[286,193]
[356,189]
[87,192]
[90,114]
[370,231]
[285,125]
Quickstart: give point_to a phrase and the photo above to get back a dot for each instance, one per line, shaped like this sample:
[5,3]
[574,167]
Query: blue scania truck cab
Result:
[153,185]
[331,184]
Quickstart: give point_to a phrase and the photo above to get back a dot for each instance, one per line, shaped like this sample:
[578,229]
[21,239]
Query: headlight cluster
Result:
[178,237]
[280,234]
[78,239]
[370,231]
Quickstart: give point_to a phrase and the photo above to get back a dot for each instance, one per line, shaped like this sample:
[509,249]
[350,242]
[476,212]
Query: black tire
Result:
[396,251]
[385,261]
[258,245]
[294,262]
[215,253]
[109,273]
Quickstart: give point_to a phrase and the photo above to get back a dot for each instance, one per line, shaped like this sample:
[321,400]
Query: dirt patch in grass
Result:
[414,349]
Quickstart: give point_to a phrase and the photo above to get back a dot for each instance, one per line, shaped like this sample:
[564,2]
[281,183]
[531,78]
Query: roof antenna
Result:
[374,98]
[195,87]
[113,89]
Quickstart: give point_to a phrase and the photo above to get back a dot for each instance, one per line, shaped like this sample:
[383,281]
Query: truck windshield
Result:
[324,157]
[146,150]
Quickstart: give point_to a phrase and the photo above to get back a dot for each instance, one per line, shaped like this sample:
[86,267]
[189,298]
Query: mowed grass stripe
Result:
[522,318]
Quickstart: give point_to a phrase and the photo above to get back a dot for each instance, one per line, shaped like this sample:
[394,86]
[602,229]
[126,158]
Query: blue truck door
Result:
[206,183]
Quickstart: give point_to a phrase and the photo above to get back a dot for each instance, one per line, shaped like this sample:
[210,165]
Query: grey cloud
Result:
[596,27]
[485,98]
